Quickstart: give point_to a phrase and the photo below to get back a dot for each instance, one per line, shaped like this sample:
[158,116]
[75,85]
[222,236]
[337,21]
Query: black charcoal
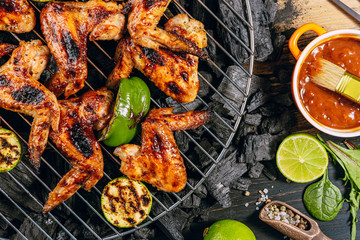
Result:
[283,99]
[261,20]
[221,128]
[211,46]
[9,211]
[201,191]
[255,169]
[271,9]
[204,159]
[241,184]
[174,222]
[182,141]
[272,109]
[226,172]
[193,201]
[253,119]
[260,147]
[31,231]
[15,191]
[232,93]
[180,108]
[245,129]
[276,124]
[204,87]
[257,100]
[144,233]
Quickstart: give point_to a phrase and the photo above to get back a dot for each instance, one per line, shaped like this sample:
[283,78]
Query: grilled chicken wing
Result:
[158,160]
[21,92]
[175,74]
[6,48]
[142,25]
[76,139]
[66,26]
[16,16]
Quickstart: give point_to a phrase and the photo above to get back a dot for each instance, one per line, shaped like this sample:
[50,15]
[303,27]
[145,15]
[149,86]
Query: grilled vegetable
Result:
[125,202]
[10,150]
[132,104]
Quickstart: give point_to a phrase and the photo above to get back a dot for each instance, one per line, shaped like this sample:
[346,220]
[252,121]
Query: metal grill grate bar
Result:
[23,212]
[12,226]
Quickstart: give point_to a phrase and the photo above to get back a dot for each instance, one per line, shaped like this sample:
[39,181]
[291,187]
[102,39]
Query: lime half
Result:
[301,158]
[228,229]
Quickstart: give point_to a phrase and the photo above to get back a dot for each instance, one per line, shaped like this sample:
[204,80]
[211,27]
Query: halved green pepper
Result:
[132,104]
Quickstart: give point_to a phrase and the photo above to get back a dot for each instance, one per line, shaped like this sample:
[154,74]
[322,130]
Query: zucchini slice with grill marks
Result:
[125,202]
[10,150]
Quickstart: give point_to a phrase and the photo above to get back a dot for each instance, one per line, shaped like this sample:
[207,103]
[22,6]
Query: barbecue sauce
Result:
[327,107]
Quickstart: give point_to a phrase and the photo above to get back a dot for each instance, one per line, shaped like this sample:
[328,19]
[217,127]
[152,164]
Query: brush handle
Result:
[298,33]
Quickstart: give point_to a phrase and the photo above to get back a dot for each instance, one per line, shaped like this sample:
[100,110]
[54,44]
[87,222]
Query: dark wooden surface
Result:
[292,14]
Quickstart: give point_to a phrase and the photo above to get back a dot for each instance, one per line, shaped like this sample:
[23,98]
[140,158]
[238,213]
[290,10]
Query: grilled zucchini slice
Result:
[125,202]
[10,150]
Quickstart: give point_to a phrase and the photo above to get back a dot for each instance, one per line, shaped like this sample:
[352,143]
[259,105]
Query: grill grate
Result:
[200,175]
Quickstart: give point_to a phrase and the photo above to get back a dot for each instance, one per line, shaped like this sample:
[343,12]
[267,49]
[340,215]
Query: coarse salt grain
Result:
[265,190]
[257,208]
[246,204]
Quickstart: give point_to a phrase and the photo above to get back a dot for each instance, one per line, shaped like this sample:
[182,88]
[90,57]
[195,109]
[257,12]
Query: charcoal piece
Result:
[203,157]
[260,147]
[271,9]
[226,172]
[272,109]
[183,107]
[277,124]
[193,201]
[270,171]
[255,170]
[182,141]
[174,222]
[261,20]
[257,100]
[15,191]
[232,93]
[283,99]
[241,184]
[211,47]
[217,126]
[4,234]
[201,191]
[3,224]
[245,129]
[204,87]
[31,231]
[143,234]
[279,42]
[9,211]
[253,119]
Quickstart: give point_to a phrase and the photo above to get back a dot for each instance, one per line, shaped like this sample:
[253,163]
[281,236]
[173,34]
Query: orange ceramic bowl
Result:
[301,57]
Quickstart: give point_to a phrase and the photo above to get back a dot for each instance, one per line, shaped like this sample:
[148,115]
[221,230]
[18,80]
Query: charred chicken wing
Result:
[66,26]
[21,92]
[77,141]
[16,16]
[6,48]
[158,160]
[175,74]
[142,25]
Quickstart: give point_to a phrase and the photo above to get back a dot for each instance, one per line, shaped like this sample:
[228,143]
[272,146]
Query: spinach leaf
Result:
[323,199]
[349,160]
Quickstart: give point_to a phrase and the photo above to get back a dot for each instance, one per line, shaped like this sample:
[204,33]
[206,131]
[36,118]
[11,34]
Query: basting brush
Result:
[337,79]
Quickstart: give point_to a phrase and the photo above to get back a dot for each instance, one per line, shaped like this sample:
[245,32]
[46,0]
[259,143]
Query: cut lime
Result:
[301,158]
[228,229]
[10,150]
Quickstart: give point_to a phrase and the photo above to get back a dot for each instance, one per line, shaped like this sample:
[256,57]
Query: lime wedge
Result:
[301,158]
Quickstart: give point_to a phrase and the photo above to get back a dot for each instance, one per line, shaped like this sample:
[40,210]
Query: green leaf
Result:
[323,199]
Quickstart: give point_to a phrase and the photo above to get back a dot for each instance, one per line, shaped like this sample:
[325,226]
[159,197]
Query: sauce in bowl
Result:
[327,107]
